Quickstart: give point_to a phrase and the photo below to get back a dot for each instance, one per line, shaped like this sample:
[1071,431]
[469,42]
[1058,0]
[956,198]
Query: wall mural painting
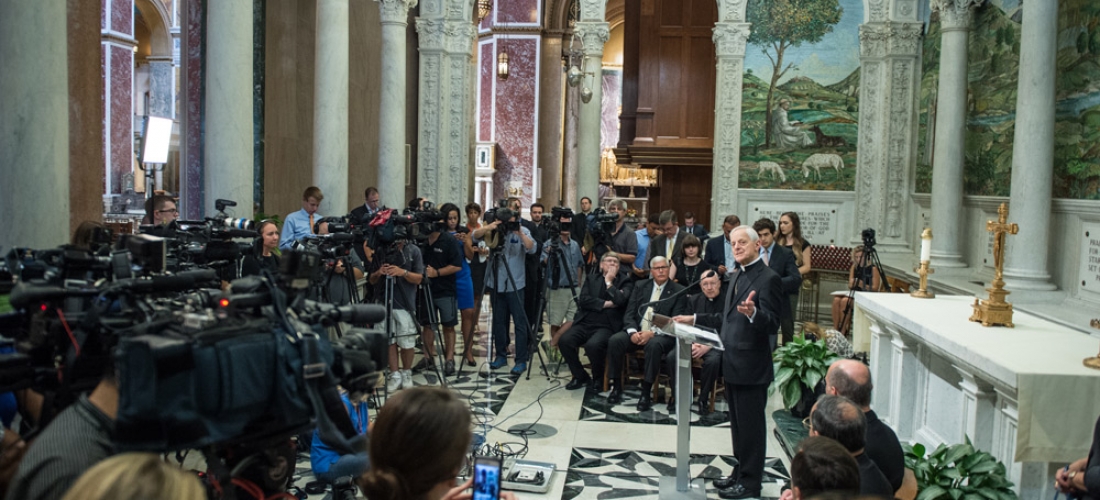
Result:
[801,95]
[994,57]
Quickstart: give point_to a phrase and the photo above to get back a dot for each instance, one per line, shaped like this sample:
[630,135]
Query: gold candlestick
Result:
[1093,361]
[925,266]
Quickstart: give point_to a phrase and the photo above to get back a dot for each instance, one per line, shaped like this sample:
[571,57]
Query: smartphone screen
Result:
[486,478]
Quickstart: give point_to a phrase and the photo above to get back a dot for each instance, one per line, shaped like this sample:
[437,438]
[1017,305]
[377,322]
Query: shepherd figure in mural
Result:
[788,134]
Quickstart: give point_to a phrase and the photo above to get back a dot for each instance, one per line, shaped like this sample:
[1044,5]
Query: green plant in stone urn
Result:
[957,472]
[799,363]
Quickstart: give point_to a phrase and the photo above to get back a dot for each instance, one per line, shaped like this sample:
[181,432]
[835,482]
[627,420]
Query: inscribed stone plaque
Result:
[819,221]
[1090,256]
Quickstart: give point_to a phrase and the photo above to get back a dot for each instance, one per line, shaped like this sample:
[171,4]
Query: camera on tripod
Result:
[868,238]
[558,219]
[505,216]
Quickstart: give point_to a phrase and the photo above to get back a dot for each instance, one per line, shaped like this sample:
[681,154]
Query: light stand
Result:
[155,139]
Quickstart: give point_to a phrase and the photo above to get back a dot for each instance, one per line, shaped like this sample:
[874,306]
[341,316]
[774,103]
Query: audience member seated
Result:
[864,279]
[327,463]
[639,332]
[265,255]
[417,448]
[851,379]
[78,438]
[301,224]
[1081,479]
[689,267]
[603,303]
[838,418]
[136,476]
[708,302]
[821,466]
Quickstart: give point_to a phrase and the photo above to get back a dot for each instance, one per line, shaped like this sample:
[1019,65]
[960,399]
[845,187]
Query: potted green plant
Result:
[957,472]
[800,365]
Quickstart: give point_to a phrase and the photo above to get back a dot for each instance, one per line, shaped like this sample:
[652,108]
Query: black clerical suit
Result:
[659,345]
[747,363]
[712,360]
[593,325]
[782,262]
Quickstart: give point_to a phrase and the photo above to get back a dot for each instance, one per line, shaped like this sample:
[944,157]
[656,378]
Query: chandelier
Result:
[484,7]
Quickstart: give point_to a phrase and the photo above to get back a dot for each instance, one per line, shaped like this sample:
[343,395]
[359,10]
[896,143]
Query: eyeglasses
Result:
[169,211]
[659,268]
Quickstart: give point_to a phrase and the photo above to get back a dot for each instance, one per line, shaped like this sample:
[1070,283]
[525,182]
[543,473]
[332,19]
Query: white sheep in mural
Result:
[772,169]
[819,160]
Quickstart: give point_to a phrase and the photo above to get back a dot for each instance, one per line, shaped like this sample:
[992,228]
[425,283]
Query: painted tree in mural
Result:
[778,25]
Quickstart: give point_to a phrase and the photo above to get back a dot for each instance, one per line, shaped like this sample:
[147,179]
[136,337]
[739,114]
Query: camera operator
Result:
[508,297]
[534,269]
[79,437]
[162,210]
[623,240]
[264,254]
[563,274]
[366,211]
[442,261]
[407,268]
[300,224]
[340,283]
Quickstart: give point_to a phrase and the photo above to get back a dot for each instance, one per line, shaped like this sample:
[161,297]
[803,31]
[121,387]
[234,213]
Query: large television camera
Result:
[559,218]
[196,367]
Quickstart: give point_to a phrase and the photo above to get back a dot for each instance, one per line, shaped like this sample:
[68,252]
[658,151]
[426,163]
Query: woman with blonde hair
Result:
[136,476]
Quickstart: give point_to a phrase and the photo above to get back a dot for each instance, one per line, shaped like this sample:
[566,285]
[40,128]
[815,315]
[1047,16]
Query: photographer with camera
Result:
[442,262]
[564,273]
[535,278]
[365,212]
[617,237]
[404,264]
[300,224]
[507,277]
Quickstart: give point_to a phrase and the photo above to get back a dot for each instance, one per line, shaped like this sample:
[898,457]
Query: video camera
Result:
[558,219]
[868,236]
[505,216]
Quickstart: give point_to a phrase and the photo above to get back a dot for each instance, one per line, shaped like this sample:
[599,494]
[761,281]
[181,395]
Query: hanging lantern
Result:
[502,65]
[484,7]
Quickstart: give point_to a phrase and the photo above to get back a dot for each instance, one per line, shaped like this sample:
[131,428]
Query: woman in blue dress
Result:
[464,283]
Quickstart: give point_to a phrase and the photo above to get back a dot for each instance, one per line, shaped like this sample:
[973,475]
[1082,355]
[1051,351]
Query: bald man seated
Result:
[852,379]
[840,419]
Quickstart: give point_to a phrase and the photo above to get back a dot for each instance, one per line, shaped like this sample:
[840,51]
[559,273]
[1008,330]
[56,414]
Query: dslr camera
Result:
[868,238]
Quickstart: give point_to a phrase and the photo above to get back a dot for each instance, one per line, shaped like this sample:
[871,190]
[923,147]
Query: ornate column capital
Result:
[731,10]
[593,10]
[594,34]
[395,11]
[730,38]
[431,33]
[955,14]
[459,37]
[890,38]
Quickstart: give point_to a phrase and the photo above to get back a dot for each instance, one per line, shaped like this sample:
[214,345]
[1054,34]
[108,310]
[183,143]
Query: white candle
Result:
[925,249]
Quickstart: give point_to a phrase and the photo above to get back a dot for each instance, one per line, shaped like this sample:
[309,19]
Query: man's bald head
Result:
[851,379]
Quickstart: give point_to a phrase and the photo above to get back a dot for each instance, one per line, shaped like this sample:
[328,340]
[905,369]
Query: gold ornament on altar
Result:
[995,311]
[1093,361]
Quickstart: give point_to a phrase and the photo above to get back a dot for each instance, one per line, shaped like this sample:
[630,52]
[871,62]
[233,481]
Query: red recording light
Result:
[42,307]
[224,302]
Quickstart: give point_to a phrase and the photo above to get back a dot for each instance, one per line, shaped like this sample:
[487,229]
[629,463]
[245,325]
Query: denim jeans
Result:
[510,305]
[347,465]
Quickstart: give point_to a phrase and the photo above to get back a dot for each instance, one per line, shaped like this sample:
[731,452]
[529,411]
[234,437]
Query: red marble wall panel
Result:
[192,52]
[517,11]
[121,113]
[517,119]
[122,16]
[487,68]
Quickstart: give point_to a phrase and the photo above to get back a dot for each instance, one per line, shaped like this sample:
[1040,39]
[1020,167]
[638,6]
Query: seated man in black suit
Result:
[708,302]
[781,260]
[603,302]
[639,332]
[839,418]
[719,253]
[852,379]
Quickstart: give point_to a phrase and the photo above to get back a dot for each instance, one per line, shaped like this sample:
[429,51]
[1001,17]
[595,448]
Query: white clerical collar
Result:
[750,264]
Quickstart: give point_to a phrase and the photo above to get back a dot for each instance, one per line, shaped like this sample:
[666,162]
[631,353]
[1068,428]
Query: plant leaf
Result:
[957,452]
[955,493]
[951,472]
[918,450]
[811,378]
[932,492]
[792,392]
[782,375]
[984,467]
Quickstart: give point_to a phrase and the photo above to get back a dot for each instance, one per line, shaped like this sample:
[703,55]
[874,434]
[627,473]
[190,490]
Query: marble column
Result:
[593,34]
[569,148]
[228,166]
[888,102]
[948,157]
[162,84]
[330,105]
[118,44]
[391,111]
[551,77]
[446,36]
[34,124]
[730,38]
[1033,151]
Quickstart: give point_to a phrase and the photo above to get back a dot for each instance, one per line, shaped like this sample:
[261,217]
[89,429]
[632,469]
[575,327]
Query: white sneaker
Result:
[393,381]
[407,379]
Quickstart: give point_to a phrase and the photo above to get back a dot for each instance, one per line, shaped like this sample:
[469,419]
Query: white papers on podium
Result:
[694,334]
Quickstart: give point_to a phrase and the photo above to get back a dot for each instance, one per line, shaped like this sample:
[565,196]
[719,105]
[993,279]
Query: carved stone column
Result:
[162,83]
[889,93]
[593,34]
[228,168]
[34,124]
[729,40]
[948,157]
[391,110]
[447,37]
[1033,150]
[330,105]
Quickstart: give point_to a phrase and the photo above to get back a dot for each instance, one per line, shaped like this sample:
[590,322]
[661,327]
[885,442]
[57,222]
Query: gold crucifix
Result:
[996,311]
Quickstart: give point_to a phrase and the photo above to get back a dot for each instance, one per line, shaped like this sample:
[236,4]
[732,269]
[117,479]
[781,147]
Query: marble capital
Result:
[593,9]
[731,10]
[890,38]
[956,14]
[730,39]
[594,34]
[395,11]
